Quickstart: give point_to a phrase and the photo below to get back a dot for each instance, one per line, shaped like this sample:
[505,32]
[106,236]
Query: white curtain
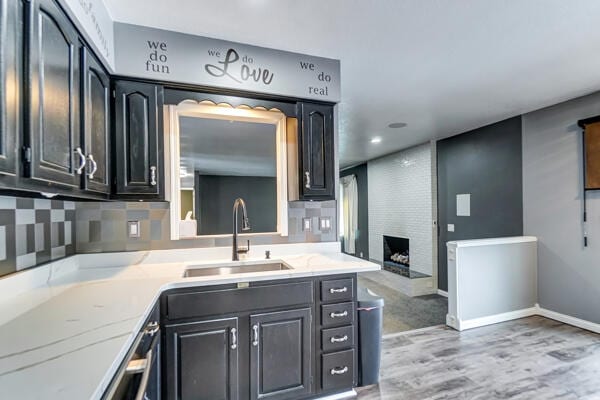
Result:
[349,212]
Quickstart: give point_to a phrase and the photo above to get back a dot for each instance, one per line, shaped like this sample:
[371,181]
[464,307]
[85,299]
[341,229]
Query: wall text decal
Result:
[151,53]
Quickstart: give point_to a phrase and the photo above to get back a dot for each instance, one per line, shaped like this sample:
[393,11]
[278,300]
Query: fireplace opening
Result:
[396,251]
[396,257]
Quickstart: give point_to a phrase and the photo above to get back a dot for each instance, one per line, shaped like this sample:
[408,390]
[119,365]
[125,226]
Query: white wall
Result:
[569,274]
[401,203]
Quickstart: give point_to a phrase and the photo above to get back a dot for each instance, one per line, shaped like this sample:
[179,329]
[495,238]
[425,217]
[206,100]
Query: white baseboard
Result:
[461,325]
[442,293]
[567,319]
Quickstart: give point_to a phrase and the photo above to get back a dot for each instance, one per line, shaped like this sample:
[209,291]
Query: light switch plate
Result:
[450,227]
[325,224]
[133,229]
[306,224]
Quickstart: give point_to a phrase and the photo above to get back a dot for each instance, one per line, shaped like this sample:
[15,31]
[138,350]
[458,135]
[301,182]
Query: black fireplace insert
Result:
[396,251]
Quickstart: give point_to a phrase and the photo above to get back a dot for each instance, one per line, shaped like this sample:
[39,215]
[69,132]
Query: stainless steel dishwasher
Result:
[138,377]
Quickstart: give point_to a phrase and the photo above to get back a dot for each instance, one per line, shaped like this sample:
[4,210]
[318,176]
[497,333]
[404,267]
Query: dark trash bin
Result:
[370,326]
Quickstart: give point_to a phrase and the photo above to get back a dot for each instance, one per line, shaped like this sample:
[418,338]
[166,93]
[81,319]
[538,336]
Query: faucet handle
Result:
[243,250]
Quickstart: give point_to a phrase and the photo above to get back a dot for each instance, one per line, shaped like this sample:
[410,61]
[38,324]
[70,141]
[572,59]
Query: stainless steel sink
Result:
[200,270]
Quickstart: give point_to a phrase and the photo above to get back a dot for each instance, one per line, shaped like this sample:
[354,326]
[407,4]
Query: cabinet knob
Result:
[340,290]
[338,339]
[338,314]
[153,175]
[307,174]
[338,371]
[82,160]
[233,338]
[94,166]
[255,332]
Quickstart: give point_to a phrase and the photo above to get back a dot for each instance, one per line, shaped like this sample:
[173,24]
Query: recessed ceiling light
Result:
[396,125]
[376,140]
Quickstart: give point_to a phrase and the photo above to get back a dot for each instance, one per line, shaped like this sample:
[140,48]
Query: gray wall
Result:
[362,181]
[569,274]
[487,163]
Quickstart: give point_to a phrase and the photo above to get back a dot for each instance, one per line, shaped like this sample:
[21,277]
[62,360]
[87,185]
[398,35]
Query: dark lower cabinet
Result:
[316,148]
[138,140]
[95,107]
[280,354]
[337,370]
[263,341]
[52,153]
[10,67]
[202,360]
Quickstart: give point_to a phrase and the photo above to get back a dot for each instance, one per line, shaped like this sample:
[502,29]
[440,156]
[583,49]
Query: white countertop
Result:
[491,241]
[66,326]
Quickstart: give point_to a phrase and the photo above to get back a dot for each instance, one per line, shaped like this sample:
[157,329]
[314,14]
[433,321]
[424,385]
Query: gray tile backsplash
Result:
[34,231]
[103,227]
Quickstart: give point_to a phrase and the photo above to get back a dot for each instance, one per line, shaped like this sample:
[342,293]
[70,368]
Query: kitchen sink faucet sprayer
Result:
[245,226]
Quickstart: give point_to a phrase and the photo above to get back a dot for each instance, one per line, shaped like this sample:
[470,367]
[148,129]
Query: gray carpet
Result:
[403,313]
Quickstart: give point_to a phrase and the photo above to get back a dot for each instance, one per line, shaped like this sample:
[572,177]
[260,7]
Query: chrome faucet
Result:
[245,226]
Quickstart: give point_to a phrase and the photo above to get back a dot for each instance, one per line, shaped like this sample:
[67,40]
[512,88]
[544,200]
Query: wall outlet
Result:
[133,229]
[450,227]
[325,224]
[306,224]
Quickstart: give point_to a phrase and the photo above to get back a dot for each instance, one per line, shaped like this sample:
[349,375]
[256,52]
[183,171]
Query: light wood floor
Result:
[531,358]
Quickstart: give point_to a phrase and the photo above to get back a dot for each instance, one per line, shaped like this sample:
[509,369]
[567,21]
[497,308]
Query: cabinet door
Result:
[280,354]
[202,360]
[317,152]
[138,140]
[54,154]
[10,45]
[96,126]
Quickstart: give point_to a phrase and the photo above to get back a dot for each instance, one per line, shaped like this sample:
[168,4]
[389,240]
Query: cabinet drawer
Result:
[218,302]
[337,370]
[337,338]
[337,314]
[337,290]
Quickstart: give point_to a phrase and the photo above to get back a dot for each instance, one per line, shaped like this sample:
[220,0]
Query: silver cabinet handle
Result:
[136,366]
[152,328]
[145,377]
[255,331]
[94,166]
[233,338]
[341,290]
[307,174]
[79,169]
[153,175]
[338,371]
[338,339]
[339,314]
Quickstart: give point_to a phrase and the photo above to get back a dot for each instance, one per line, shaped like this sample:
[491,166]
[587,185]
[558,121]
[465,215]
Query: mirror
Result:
[220,153]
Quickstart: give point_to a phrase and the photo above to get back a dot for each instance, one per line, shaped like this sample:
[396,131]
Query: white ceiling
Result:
[442,67]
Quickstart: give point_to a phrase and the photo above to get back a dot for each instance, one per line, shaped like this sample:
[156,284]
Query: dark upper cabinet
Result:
[52,153]
[95,106]
[10,67]
[202,360]
[280,354]
[316,152]
[138,140]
